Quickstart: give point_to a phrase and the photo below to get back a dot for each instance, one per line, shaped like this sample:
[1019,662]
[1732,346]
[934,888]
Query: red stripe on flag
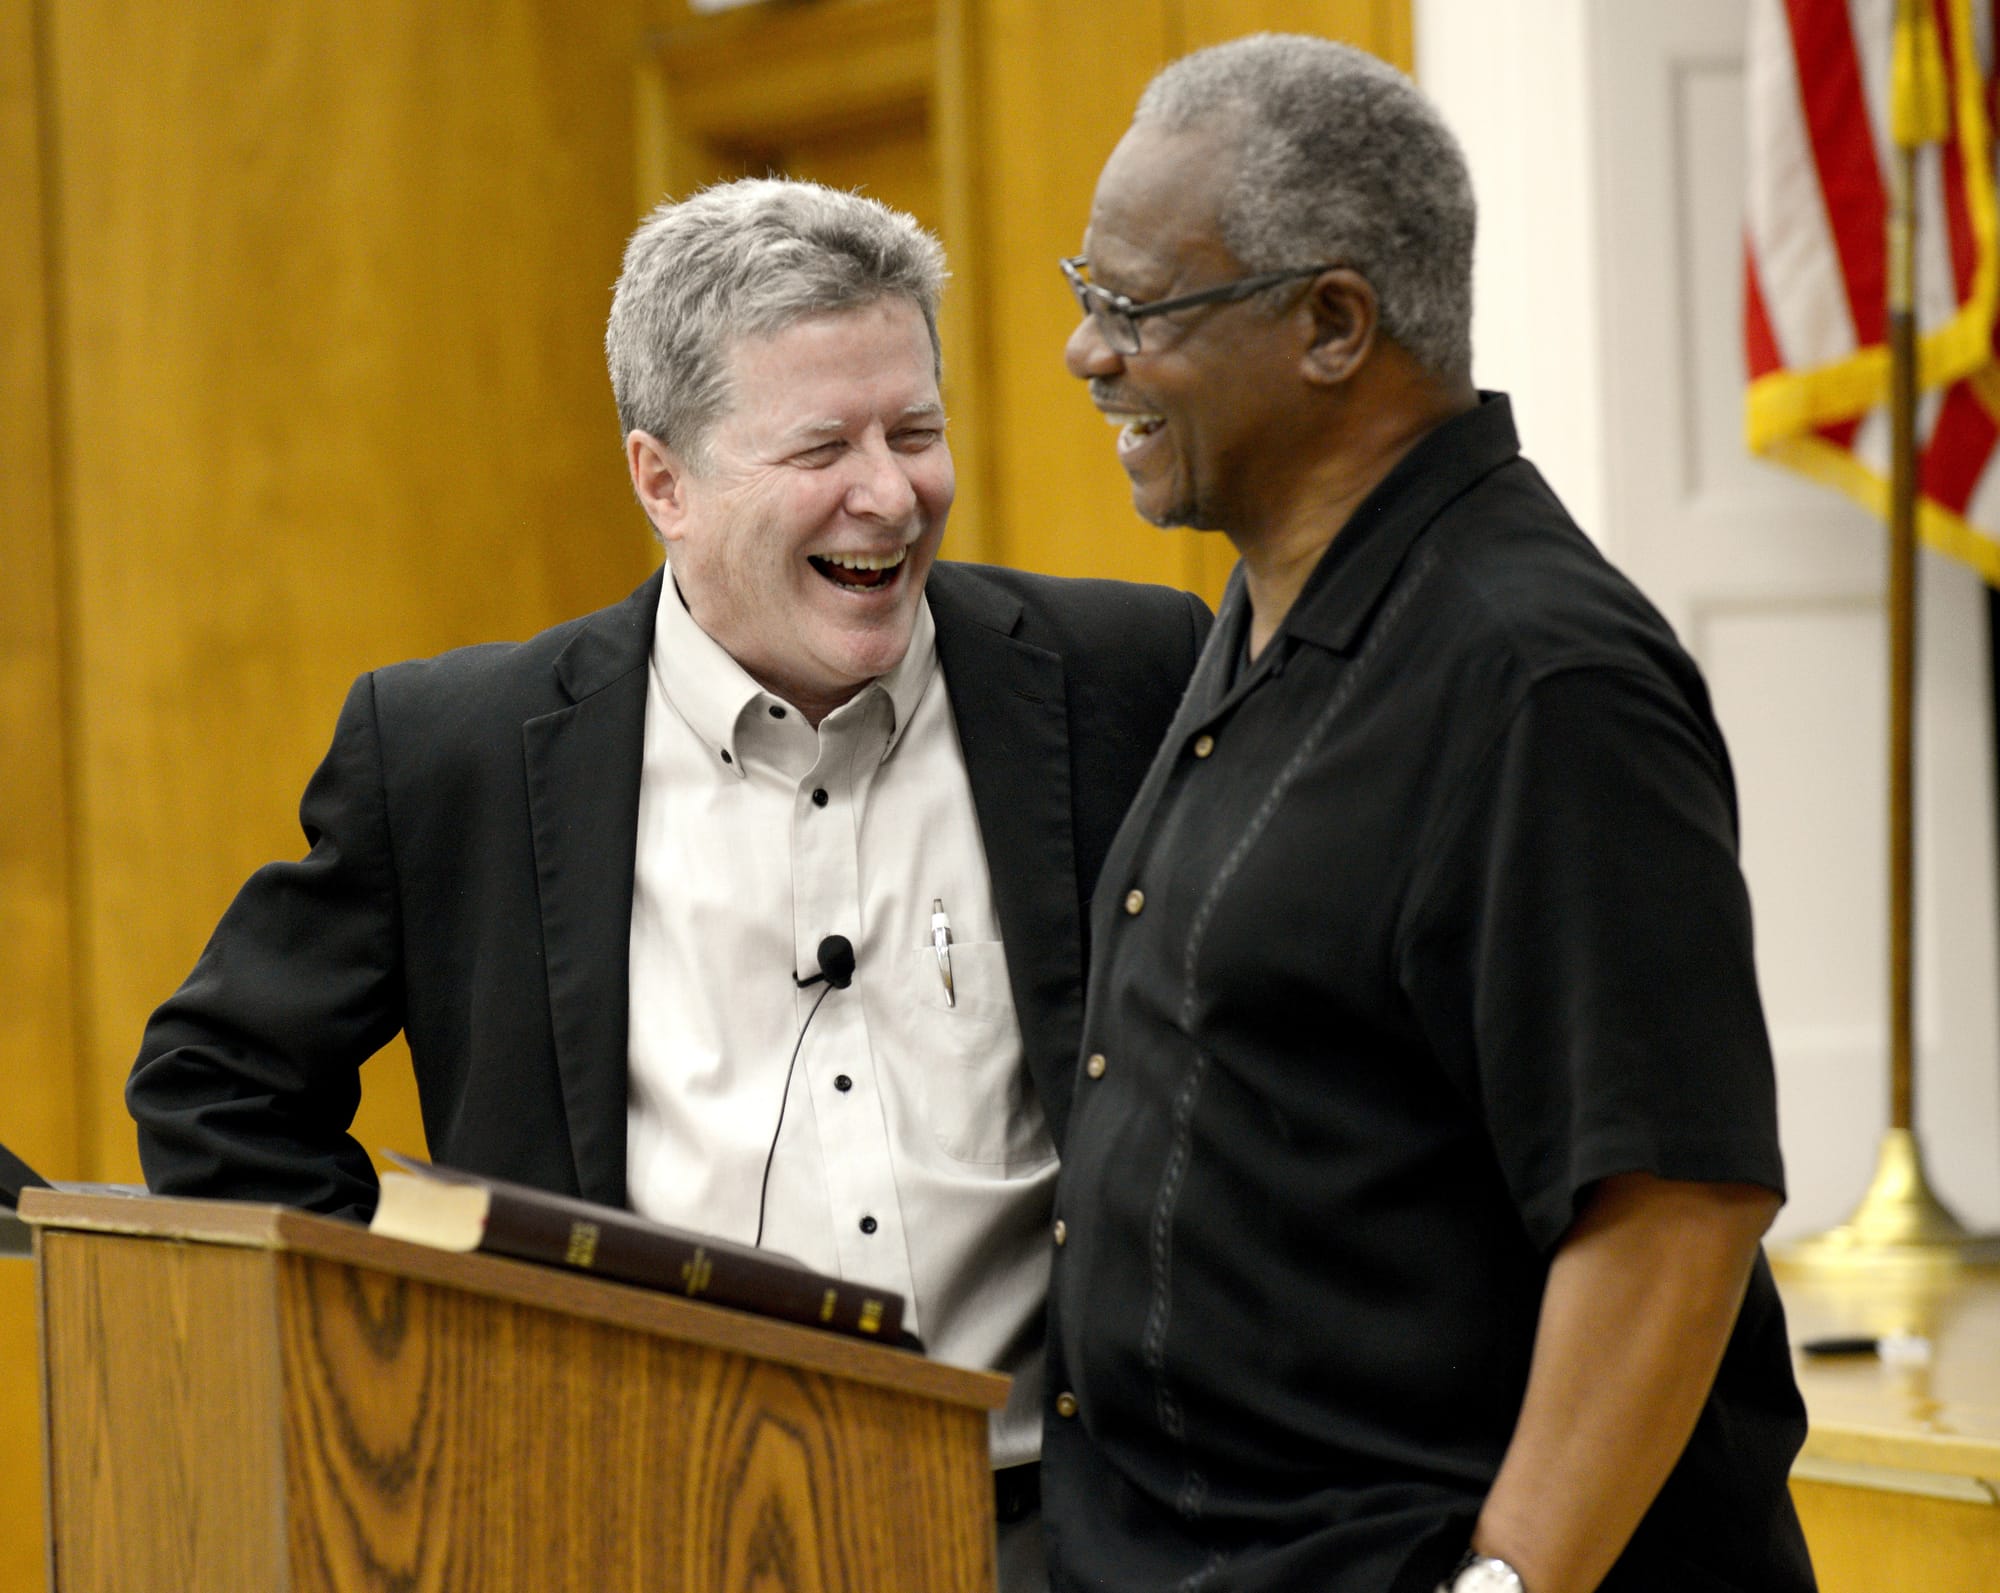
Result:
[1841,433]
[1760,344]
[1960,446]
[1957,218]
[1836,113]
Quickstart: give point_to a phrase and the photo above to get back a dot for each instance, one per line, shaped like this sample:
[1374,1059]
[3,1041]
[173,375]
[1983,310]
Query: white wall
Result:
[1510,76]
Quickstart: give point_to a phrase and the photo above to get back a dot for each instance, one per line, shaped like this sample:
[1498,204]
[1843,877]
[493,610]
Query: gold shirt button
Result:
[1203,746]
[1134,900]
[1061,1231]
[1095,1066]
[1065,1404]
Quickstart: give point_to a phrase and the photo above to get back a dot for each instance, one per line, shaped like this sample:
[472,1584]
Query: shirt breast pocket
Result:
[975,1091]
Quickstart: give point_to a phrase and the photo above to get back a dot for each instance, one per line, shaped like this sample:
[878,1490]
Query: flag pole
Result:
[1900,1221]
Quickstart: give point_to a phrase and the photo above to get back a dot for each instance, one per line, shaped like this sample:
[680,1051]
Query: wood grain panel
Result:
[742,76]
[37,1040]
[332,288]
[966,327]
[571,1453]
[1382,27]
[1063,502]
[891,160]
[1865,1540]
[165,1464]
[578,1294]
[244,1415]
[23,1518]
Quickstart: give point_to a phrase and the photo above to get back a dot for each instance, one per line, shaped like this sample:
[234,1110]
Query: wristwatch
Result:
[1481,1573]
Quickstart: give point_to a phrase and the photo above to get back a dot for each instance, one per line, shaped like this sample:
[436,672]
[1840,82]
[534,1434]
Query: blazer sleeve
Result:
[248,1076]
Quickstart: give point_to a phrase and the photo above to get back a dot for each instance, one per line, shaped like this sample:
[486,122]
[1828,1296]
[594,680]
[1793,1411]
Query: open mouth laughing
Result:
[1133,429]
[860,572]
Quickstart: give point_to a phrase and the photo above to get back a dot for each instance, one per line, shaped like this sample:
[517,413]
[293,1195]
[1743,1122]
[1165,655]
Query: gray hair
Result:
[747,259]
[1338,158]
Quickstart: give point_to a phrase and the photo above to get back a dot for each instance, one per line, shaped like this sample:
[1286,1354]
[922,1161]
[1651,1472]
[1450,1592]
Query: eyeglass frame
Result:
[1109,311]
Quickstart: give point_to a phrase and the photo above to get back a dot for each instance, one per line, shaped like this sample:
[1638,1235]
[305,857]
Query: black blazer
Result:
[472,833]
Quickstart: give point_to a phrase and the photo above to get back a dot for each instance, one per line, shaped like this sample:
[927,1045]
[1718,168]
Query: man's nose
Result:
[1088,354]
[881,489]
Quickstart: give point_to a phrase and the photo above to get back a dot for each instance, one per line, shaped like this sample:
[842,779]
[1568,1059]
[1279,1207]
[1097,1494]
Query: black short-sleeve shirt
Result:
[1420,925]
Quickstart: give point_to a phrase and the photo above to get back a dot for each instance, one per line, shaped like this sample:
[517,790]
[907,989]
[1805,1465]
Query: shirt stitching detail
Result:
[1192,1495]
[1202,1576]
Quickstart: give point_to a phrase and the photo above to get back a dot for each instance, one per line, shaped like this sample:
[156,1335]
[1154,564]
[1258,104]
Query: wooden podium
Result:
[248,1399]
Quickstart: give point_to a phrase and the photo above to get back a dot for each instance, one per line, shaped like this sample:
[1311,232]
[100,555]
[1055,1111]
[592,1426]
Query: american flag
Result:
[1833,85]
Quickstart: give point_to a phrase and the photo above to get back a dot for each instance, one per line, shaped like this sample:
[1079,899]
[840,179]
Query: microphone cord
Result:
[764,1187]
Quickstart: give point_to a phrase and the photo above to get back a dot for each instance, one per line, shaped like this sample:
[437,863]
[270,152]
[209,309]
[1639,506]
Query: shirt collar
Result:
[906,683]
[1358,565]
[712,692]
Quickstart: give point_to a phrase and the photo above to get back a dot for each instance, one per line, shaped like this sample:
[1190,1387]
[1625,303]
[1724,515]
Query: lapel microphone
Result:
[836,969]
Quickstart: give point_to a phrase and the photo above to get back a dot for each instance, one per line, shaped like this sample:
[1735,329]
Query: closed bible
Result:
[448,1209]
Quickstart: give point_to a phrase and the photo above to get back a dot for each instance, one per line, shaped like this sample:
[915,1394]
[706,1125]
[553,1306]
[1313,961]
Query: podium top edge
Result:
[245,1225]
[226,1222]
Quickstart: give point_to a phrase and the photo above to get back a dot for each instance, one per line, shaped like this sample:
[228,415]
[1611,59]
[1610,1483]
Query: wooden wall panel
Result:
[301,373]
[891,160]
[1062,498]
[1383,26]
[37,1050]
[333,277]
[36,1039]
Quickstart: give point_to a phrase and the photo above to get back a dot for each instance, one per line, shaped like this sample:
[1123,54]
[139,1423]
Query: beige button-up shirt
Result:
[913,1153]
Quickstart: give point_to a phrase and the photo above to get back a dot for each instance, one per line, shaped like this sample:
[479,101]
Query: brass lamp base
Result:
[1900,1226]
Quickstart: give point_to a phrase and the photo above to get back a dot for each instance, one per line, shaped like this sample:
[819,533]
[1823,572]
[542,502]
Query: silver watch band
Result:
[1482,1573]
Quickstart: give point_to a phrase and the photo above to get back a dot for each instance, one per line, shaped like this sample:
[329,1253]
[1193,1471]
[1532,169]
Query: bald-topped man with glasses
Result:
[1426,1131]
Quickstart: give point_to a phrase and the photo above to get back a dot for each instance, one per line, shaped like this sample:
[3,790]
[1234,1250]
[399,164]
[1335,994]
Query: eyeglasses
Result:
[1118,317]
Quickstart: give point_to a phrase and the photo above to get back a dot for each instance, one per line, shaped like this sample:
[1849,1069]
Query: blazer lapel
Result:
[1010,701]
[583,765]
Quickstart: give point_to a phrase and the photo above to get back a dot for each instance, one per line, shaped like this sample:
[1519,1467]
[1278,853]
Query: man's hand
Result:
[1642,1295]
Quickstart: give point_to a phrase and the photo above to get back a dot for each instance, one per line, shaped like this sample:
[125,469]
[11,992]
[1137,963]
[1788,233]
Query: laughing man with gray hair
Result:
[587,874]
[1426,1131]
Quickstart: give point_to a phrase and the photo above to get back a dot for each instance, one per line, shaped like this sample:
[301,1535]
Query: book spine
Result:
[635,1252]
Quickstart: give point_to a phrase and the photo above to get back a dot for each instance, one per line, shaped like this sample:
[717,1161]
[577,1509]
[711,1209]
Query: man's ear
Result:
[1345,319]
[660,477]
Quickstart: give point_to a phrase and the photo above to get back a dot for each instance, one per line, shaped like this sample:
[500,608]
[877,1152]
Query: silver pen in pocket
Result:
[941,944]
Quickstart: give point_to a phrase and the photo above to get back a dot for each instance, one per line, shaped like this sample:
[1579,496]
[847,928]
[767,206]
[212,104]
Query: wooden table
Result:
[1899,1481]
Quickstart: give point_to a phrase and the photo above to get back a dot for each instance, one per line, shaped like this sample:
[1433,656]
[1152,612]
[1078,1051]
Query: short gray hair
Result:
[1338,158]
[747,259]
